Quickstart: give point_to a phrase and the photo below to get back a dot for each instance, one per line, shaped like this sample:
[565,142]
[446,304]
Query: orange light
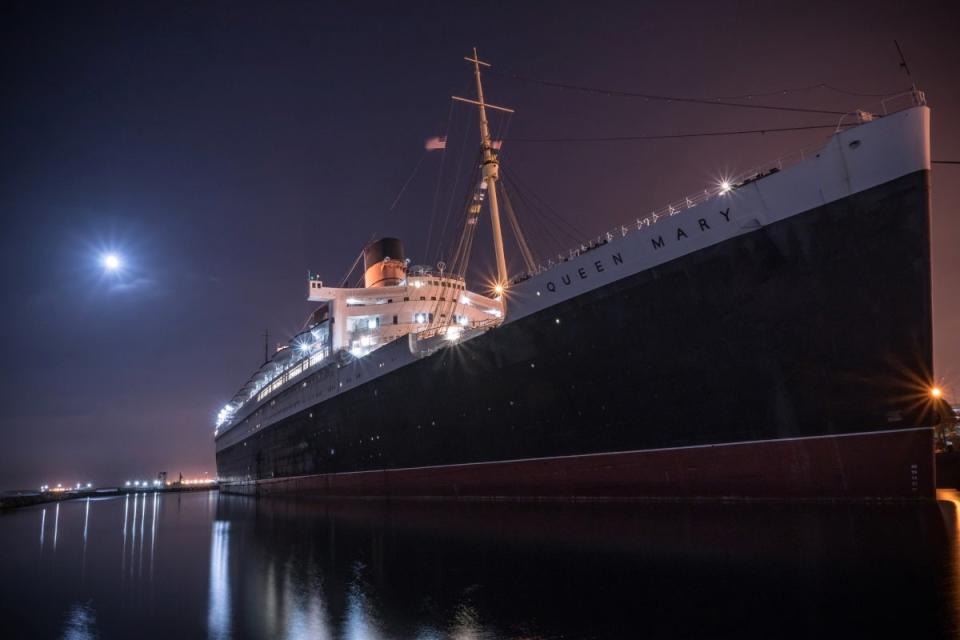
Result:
[936,392]
[498,289]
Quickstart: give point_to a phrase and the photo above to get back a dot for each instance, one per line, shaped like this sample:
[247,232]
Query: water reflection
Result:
[86,524]
[123,547]
[361,619]
[231,567]
[56,525]
[370,570]
[153,530]
[143,518]
[81,623]
[218,621]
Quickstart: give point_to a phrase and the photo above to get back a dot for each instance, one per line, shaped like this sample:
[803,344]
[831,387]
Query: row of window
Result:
[444,284]
[293,372]
[366,323]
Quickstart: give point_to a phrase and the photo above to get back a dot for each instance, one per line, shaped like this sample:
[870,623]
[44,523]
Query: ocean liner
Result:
[770,337]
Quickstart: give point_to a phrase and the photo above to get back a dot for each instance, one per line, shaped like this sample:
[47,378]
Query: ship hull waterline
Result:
[890,464]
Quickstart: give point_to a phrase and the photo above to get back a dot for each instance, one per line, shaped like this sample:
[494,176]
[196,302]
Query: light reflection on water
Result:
[81,623]
[219,609]
[199,565]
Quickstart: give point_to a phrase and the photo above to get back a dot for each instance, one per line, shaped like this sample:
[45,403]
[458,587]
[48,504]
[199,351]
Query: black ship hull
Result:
[788,361]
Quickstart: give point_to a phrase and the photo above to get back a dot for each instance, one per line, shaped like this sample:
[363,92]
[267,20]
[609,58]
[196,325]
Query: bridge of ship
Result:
[424,301]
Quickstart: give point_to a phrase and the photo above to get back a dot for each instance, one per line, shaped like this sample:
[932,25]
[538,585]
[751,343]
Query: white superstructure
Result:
[367,318]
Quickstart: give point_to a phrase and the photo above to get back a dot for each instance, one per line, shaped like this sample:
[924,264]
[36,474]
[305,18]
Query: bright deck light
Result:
[725,186]
[936,392]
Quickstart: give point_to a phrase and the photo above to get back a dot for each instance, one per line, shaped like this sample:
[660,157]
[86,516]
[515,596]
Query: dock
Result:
[14,499]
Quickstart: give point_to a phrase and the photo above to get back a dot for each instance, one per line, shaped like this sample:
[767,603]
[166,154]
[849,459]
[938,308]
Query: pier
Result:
[13,499]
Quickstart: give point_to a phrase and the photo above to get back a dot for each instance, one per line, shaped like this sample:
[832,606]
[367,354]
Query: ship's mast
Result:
[491,171]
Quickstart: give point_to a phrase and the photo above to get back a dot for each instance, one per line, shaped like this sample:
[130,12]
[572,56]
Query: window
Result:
[406,299]
[394,319]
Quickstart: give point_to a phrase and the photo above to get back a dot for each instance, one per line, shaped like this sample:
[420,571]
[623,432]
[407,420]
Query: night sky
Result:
[224,149]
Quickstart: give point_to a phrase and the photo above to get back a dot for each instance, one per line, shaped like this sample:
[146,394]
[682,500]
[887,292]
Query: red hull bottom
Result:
[885,464]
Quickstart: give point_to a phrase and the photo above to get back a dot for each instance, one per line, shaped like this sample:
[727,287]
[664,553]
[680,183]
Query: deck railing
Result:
[888,105]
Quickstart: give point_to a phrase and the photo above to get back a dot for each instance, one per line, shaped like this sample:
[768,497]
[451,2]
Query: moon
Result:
[111,262]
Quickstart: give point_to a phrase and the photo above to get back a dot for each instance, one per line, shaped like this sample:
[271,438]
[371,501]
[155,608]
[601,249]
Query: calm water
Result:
[200,565]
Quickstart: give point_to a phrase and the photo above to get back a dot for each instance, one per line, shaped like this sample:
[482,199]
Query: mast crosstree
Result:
[490,173]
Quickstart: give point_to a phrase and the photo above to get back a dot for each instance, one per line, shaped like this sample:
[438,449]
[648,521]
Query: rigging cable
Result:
[436,193]
[413,173]
[548,226]
[472,206]
[346,276]
[456,182]
[673,136]
[662,98]
[528,258]
[517,182]
[813,87]
[472,180]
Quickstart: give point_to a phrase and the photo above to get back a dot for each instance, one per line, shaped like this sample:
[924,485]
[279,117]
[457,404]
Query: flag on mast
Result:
[437,142]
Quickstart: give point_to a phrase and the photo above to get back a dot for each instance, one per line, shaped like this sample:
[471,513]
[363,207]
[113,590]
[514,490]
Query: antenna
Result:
[903,65]
[266,346]
[491,173]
